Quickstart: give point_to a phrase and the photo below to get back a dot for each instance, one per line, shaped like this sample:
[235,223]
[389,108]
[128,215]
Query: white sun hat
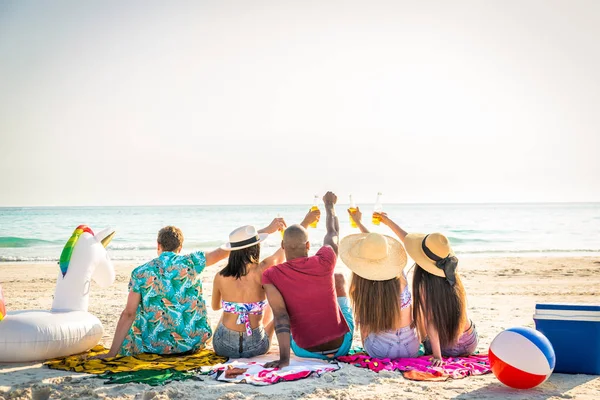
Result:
[244,236]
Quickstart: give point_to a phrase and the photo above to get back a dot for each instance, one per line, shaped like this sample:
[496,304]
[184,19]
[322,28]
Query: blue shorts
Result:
[344,304]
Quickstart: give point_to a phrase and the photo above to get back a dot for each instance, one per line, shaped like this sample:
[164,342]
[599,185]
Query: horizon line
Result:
[299,204]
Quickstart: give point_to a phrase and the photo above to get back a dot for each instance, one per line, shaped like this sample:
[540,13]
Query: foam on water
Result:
[38,234]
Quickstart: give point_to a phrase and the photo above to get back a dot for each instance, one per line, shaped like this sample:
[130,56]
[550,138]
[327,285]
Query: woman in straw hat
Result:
[380,294]
[237,289]
[440,305]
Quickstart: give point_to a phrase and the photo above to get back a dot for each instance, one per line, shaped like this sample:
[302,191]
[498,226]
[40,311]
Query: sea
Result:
[38,234]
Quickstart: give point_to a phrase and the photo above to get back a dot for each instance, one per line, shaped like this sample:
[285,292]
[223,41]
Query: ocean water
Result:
[39,234]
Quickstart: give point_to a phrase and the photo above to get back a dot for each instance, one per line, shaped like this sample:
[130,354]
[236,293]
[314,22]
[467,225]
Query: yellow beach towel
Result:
[178,362]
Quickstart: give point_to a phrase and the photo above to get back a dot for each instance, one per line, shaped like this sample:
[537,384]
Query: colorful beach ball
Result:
[521,358]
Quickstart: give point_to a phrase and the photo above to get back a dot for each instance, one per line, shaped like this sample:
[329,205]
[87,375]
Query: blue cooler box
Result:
[574,331]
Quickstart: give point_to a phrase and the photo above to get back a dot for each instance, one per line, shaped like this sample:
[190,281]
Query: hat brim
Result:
[374,270]
[261,238]
[414,247]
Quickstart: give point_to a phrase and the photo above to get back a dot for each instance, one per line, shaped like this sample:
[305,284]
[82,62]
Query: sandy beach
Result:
[502,293]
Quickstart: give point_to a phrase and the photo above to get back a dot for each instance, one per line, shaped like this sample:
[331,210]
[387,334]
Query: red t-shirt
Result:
[308,288]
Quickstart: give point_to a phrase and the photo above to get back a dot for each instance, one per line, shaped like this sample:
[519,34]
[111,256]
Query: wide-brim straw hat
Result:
[373,256]
[243,237]
[438,244]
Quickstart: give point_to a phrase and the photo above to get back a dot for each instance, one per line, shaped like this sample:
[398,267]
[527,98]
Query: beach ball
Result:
[521,358]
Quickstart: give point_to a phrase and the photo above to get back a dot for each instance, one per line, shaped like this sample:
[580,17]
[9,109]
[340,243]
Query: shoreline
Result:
[463,256]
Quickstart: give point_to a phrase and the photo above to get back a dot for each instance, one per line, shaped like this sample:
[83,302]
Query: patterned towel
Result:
[246,370]
[149,377]
[179,362]
[420,368]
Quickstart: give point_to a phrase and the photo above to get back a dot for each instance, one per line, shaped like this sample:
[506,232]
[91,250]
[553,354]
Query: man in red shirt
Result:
[309,302]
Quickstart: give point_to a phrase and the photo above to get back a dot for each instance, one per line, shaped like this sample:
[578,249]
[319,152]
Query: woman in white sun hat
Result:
[380,293]
[246,327]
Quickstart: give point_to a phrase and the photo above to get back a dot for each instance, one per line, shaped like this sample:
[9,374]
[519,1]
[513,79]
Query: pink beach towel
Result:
[251,370]
[420,368]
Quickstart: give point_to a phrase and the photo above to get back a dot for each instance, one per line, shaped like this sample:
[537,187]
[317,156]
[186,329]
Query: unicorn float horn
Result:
[83,258]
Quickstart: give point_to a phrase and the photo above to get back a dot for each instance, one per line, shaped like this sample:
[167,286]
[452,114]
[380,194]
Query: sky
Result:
[238,102]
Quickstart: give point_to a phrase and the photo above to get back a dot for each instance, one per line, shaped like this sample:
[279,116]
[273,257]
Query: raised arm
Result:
[357,217]
[277,258]
[401,233]
[275,225]
[282,326]
[332,224]
[213,257]
[311,216]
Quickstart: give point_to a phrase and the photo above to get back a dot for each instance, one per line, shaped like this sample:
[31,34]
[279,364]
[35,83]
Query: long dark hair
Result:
[439,303]
[376,303]
[239,260]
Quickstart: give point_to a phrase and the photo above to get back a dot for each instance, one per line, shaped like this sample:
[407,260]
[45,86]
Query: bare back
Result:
[247,289]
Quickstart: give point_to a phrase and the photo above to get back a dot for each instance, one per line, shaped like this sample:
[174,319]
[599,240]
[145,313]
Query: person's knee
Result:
[340,285]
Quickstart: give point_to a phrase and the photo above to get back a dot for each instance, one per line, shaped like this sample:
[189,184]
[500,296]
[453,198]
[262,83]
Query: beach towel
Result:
[251,371]
[420,368]
[149,377]
[179,362]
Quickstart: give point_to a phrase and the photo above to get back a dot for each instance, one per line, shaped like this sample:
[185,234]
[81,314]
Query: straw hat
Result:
[430,252]
[244,236]
[373,256]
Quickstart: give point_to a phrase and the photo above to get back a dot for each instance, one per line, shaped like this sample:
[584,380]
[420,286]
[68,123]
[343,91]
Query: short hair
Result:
[295,236]
[170,238]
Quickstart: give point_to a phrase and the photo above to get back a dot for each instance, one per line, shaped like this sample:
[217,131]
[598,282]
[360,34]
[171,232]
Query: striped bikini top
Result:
[244,310]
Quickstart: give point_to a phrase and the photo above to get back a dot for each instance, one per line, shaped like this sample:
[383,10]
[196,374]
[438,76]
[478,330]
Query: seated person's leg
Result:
[344,303]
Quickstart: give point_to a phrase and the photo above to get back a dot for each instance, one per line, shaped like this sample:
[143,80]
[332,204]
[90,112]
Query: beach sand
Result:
[502,293]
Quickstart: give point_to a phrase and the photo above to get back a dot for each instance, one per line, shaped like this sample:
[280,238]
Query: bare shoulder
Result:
[218,277]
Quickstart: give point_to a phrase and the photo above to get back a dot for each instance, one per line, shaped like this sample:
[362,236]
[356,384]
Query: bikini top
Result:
[244,310]
[405,296]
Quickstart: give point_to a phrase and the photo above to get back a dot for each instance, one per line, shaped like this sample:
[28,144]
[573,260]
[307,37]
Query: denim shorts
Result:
[466,344]
[401,343]
[347,343]
[234,344]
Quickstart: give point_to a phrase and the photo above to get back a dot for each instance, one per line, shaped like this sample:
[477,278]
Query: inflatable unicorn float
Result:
[68,328]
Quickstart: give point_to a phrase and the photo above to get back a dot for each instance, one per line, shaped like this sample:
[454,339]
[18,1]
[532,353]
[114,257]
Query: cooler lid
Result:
[567,312]
[568,307]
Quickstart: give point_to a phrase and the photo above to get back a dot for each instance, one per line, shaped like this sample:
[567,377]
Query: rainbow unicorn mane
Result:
[65,256]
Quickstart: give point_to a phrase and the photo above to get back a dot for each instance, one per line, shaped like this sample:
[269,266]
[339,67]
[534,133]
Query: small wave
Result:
[17,242]
[131,246]
[55,259]
[203,245]
[31,259]
[455,240]
[115,245]
[524,251]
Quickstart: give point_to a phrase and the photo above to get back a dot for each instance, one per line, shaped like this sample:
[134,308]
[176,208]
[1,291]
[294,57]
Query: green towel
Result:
[149,377]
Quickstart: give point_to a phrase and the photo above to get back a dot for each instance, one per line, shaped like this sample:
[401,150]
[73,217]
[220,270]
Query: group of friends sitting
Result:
[301,298]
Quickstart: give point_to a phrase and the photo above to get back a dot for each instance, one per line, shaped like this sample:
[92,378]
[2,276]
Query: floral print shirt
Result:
[171,317]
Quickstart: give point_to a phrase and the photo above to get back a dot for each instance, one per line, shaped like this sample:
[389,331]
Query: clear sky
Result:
[244,102]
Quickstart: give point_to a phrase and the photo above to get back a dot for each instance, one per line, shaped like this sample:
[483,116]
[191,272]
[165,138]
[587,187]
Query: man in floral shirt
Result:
[165,311]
